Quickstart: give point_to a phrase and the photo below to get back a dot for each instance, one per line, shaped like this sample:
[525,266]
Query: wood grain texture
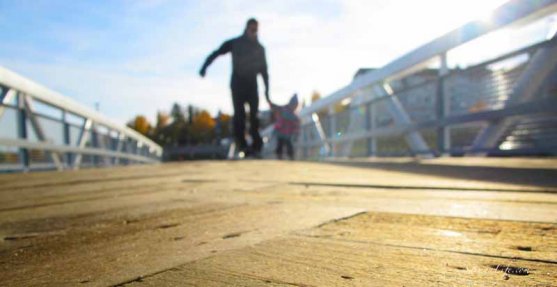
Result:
[385,249]
[266,223]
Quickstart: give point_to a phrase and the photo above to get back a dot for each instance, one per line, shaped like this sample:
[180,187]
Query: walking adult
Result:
[248,61]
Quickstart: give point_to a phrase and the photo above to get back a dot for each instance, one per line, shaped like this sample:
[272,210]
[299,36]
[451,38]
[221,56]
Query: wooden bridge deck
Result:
[449,222]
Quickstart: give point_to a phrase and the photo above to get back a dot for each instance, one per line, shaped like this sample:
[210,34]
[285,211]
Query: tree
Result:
[160,132]
[224,118]
[315,96]
[202,127]
[184,126]
[223,125]
[141,125]
[162,120]
[175,133]
[340,107]
[176,113]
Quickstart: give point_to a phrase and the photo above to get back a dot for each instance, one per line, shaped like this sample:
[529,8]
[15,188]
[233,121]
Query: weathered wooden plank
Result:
[511,239]
[106,252]
[516,175]
[35,197]
[495,205]
[106,226]
[322,262]
[389,257]
[47,202]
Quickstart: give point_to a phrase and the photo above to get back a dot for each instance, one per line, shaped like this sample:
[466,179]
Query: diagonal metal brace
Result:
[414,138]
[531,81]
[39,131]
[82,140]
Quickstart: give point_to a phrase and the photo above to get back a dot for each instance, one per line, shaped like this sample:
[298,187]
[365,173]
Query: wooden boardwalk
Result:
[447,222]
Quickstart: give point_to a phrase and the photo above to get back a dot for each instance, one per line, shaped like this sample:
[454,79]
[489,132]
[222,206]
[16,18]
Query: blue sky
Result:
[138,57]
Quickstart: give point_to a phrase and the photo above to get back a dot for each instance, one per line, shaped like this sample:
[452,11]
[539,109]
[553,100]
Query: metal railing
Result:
[426,103]
[41,129]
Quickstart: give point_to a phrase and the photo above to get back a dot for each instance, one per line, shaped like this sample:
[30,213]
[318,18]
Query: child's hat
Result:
[294,100]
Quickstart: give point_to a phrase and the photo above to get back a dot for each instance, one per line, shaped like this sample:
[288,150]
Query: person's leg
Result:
[290,149]
[253,101]
[239,119]
[280,143]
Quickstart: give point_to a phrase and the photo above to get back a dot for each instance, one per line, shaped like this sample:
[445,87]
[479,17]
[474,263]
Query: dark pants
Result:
[289,148]
[244,90]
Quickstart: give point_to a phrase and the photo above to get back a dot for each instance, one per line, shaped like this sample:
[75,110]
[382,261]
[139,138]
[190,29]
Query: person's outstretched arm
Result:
[265,76]
[224,48]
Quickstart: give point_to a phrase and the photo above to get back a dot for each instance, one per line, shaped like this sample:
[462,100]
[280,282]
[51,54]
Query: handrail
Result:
[483,105]
[106,142]
[503,16]
[12,80]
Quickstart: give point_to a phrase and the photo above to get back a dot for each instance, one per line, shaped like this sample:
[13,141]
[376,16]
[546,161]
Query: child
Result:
[287,125]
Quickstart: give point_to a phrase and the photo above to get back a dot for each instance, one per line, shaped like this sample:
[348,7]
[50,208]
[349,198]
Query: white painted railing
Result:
[423,103]
[43,129]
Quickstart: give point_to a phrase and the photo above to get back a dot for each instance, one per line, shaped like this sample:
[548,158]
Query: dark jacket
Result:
[248,57]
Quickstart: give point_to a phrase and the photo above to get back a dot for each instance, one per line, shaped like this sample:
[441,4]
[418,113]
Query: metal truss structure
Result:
[422,104]
[41,129]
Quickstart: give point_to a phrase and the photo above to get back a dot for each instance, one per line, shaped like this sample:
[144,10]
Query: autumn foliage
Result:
[141,125]
[184,126]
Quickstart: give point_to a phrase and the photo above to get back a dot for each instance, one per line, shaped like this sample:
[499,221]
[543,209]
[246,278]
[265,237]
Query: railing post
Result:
[443,132]
[112,145]
[95,144]
[119,146]
[332,129]
[66,135]
[22,130]
[3,93]
[370,126]
[305,139]
[102,145]
[133,149]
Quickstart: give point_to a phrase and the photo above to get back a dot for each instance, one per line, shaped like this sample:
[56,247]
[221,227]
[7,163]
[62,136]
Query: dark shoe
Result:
[253,154]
